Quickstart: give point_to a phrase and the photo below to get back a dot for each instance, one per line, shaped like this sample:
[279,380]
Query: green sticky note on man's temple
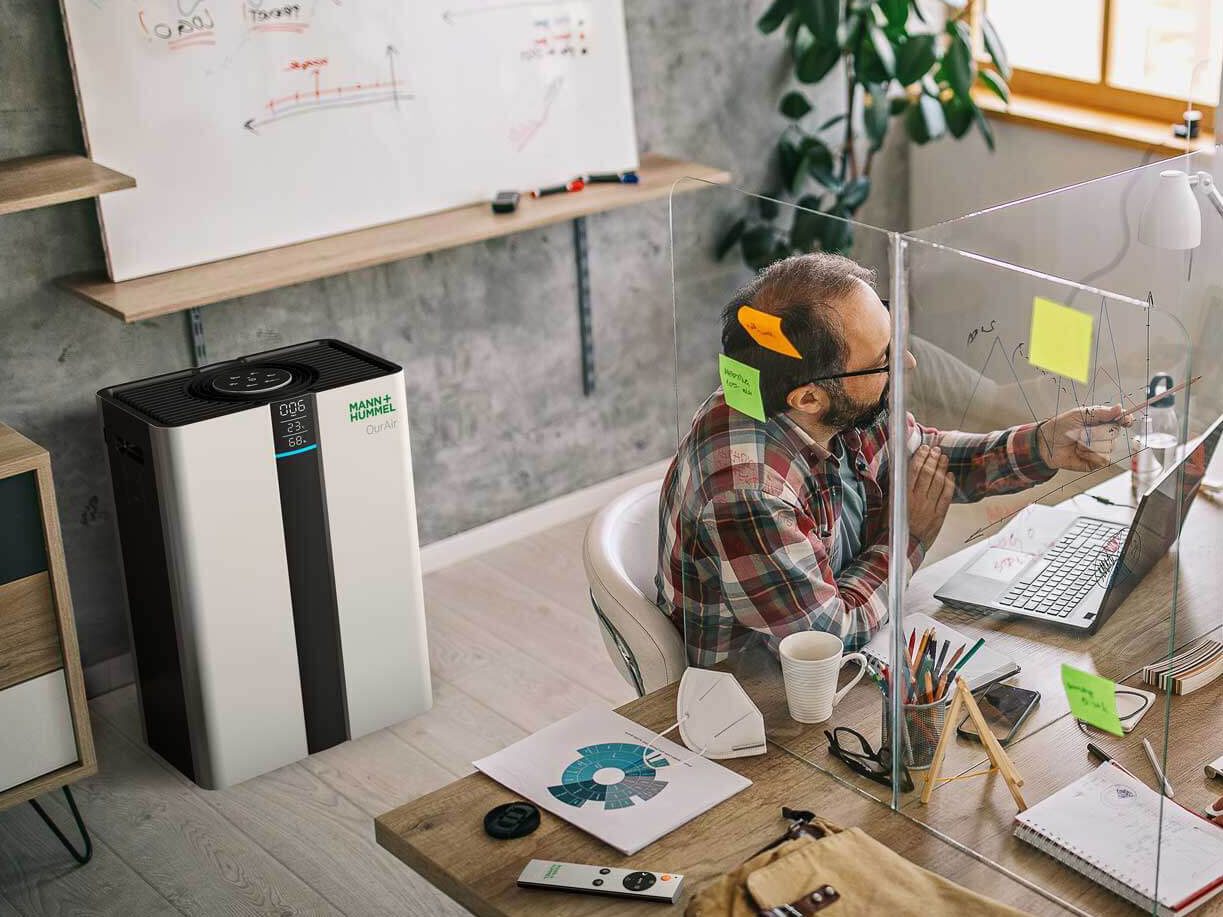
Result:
[741,387]
[1092,699]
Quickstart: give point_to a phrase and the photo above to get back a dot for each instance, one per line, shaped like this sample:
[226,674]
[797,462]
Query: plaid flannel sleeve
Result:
[987,464]
[777,577]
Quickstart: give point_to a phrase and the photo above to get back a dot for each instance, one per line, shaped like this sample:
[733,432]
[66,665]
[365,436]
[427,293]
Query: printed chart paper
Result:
[612,778]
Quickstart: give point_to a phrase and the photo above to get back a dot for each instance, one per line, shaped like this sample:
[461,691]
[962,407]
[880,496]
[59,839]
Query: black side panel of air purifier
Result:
[316,618]
[147,577]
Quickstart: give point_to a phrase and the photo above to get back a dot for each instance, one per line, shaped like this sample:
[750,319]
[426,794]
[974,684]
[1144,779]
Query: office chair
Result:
[621,557]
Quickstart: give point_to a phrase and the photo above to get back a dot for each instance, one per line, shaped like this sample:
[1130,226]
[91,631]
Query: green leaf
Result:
[757,245]
[835,234]
[925,121]
[854,194]
[958,114]
[849,30]
[867,66]
[774,16]
[914,58]
[898,105]
[790,159]
[821,17]
[794,105]
[875,114]
[897,13]
[834,120]
[801,43]
[818,159]
[993,44]
[983,124]
[732,235]
[995,84]
[806,226]
[957,61]
[883,48]
[814,65]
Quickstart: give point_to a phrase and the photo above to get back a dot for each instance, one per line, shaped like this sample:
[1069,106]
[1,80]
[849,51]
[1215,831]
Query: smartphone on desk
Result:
[1004,708]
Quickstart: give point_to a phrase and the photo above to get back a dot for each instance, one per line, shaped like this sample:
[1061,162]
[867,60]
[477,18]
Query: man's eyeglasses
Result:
[887,360]
[851,748]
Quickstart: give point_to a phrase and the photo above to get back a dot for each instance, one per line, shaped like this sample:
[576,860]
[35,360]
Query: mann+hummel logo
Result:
[369,407]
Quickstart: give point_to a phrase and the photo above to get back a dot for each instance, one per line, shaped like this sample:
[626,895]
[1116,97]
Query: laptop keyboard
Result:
[1082,557]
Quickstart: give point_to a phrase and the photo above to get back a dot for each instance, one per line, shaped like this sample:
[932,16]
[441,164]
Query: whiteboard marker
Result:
[576,185]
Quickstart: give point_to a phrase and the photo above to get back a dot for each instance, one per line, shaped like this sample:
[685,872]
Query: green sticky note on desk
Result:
[1092,699]
[1060,339]
[741,387]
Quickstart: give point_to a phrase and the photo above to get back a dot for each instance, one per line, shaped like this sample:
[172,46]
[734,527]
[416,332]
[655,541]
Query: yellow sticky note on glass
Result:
[765,330]
[1092,699]
[741,387]
[1060,340]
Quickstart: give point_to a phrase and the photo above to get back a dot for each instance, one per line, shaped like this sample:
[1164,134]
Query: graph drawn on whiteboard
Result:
[251,124]
[319,95]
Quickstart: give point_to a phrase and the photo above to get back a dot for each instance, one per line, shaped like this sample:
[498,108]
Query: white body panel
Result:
[371,512]
[36,729]
[226,554]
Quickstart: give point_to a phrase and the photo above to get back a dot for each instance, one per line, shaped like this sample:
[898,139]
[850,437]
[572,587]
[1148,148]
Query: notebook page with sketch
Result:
[1108,826]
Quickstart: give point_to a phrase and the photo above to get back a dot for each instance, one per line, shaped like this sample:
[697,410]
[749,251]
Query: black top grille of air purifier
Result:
[189,396]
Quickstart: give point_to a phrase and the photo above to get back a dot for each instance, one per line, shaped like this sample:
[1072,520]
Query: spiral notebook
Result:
[1108,826]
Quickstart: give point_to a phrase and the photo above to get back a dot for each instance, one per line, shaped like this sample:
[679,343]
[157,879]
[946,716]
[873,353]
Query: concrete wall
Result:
[487,333]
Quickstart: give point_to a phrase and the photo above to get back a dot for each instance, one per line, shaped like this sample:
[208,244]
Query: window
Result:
[1137,57]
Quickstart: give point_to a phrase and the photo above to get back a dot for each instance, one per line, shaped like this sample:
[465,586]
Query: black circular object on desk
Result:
[514,819]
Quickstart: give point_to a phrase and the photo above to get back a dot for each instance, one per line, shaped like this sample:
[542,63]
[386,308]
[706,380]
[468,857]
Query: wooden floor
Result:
[514,646]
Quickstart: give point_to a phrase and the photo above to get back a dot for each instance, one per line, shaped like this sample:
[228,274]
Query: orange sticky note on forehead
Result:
[766,331]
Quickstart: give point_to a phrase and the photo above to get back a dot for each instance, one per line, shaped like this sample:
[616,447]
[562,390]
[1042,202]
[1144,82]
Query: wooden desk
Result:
[440,835]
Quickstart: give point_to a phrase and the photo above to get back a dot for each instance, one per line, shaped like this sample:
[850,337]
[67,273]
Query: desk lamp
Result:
[1172,218]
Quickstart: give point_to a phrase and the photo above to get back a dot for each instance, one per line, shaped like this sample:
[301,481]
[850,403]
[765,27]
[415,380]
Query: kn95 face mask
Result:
[716,718]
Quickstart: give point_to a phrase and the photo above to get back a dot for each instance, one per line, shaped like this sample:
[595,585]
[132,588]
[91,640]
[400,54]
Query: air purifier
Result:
[267,524]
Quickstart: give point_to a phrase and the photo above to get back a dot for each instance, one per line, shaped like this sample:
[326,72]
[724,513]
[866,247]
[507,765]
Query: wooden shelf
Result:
[174,291]
[40,181]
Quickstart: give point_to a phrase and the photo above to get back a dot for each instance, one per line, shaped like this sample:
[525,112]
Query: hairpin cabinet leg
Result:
[81,858]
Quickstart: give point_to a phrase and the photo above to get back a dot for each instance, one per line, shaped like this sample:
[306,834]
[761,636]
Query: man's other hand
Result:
[931,488]
[1081,439]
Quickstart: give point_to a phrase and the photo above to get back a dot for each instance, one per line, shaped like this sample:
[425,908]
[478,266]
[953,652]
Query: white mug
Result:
[810,664]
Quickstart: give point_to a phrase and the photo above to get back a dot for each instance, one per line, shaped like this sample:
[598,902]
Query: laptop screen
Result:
[1157,522]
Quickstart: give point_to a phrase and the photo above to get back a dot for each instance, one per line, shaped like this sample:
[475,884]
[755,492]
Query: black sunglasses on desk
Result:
[874,765]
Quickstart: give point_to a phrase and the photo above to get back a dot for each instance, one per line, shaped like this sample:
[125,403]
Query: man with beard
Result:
[775,527]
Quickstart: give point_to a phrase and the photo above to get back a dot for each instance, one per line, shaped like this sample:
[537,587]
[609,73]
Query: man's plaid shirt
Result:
[748,518]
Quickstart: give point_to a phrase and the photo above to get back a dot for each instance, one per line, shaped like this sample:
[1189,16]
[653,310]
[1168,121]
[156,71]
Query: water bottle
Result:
[1165,428]
[1144,466]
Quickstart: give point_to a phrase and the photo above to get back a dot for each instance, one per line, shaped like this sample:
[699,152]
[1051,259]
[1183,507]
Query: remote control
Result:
[602,880]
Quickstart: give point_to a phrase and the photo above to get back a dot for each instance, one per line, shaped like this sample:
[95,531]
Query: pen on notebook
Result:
[1146,746]
[1098,753]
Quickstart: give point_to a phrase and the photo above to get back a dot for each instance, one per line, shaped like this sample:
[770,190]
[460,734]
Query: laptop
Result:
[1073,570]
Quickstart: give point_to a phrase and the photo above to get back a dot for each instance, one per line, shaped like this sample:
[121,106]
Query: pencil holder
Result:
[921,726]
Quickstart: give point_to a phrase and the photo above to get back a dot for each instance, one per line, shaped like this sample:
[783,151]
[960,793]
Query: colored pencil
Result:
[963,662]
[942,656]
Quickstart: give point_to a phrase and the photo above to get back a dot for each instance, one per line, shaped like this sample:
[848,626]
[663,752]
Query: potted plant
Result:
[897,65]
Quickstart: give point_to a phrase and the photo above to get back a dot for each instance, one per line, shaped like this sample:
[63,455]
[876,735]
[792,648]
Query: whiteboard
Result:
[251,124]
